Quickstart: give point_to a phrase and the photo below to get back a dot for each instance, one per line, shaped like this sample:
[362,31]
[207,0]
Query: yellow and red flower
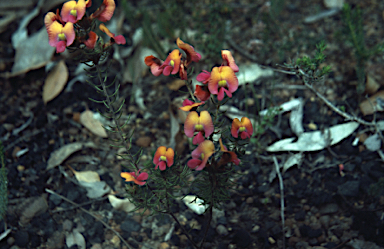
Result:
[174,63]
[59,36]
[222,80]
[105,11]
[154,63]
[49,18]
[171,65]
[201,154]
[73,11]
[228,156]
[138,178]
[229,61]
[163,157]
[243,127]
[115,39]
[189,105]
[201,124]
[192,55]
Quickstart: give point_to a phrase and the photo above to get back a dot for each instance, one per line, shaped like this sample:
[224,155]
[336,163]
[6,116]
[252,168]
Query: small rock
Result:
[241,238]
[67,225]
[249,200]
[222,230]
[144,141]
[313,242]
[302,244]
[293,240]
[324,221]
[10,241]
[271,240]
[315,226]
[330,208]
[314,233]
[96,246]
[255,229]
[300,216]
[350,188]
[129,225]
[21,238]
[164,245]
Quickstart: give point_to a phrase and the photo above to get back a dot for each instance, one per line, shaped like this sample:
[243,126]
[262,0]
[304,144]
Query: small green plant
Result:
[353,27]
[3,184]
[311,66]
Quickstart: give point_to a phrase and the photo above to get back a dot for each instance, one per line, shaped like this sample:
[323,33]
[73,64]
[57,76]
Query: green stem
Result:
[120,132]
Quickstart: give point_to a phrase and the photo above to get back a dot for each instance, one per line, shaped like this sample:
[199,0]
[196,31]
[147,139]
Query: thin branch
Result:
[281,197]
[86,211]
[337,110]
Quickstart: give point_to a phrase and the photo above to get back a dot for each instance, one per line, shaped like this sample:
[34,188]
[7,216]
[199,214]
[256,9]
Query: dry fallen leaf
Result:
[88,120]
[121,204]
[30,208]
[86,176]
[371,85]
[90,180]
[55,82]
[75,238]
[315,140]
[367,106]
[59,155]
[95,189]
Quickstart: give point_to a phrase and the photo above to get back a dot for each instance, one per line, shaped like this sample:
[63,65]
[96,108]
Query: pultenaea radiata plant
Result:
[155,186]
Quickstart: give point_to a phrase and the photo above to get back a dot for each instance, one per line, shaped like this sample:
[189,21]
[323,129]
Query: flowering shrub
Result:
[73,28]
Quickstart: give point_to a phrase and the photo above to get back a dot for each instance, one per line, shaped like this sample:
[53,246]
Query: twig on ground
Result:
[11,145]
[94,216]
[281,197]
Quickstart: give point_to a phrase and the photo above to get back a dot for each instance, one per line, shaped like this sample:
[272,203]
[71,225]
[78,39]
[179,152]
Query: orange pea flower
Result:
[163,157]
[138,178]
[202,93]
[200,124]
[59,36]
[229,61]
[49,18]
[171,65]
[73,11]
[192,55]
[91,41]
[228,156]
[189,105]
[105,11]
[154,63]
[201,155]
[223,79]
[243,127]
[116,39]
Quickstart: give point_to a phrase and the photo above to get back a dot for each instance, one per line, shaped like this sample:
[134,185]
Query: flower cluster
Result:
[72,25]
[198,125]
[174,63]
